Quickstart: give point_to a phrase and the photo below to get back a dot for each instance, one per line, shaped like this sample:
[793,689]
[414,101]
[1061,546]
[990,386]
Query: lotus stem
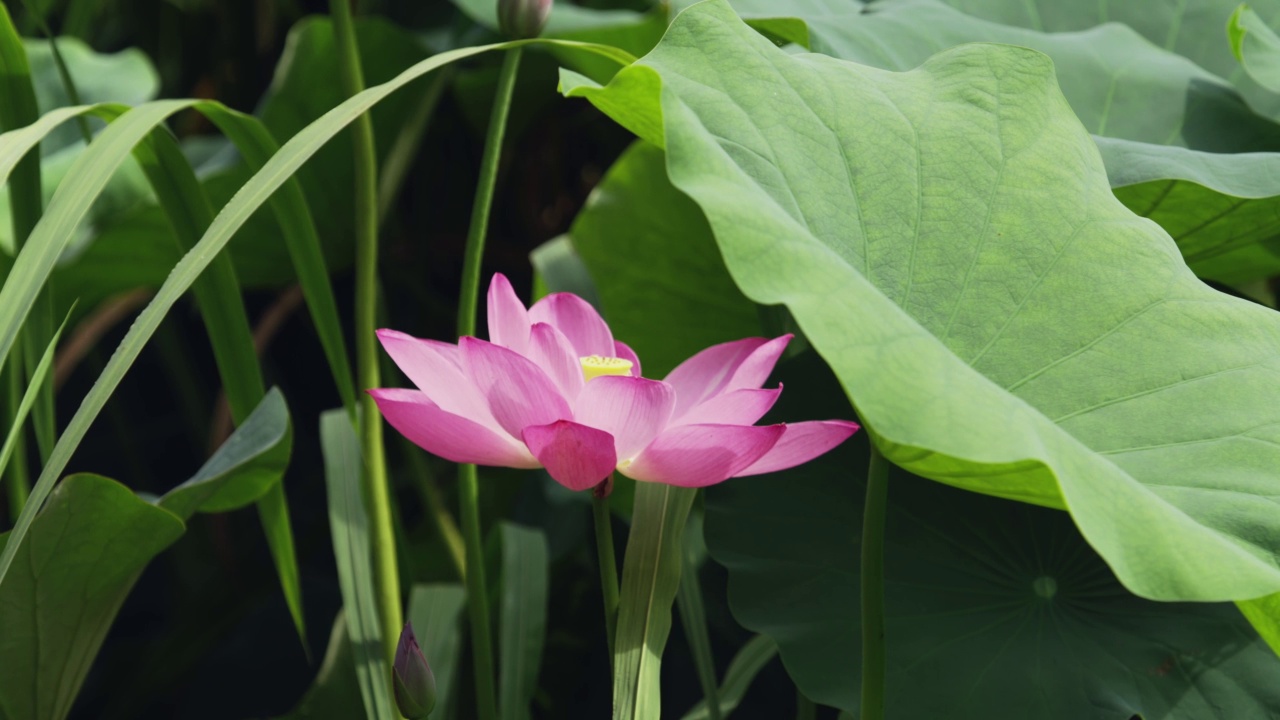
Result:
[873,655]
[469,492]
[386,570]
[608,564]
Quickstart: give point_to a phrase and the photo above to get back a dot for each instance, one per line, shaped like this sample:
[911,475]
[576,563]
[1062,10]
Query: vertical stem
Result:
[805,709]
[484,193]
[469,491]
[18,480]
[608,566]
[386,572]
[873,674]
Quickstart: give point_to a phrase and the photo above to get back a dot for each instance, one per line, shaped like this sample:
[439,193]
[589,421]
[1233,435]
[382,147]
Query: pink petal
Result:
[508,320]
[736,407]
[448,435]
[727,366]
[519,393]
[701,455]
[802,442]
[434,367]
[624,351]
[579,322]
[577,456]
[633,410]
[550,350]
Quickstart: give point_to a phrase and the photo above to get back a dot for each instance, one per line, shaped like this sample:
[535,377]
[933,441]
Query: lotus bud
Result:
[523,19]
[414,684]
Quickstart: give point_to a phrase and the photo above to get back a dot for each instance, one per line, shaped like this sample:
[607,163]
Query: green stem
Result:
[805,708]
[873,674]
[386,572]
[469,490]
[18,479]
[477,594]
[484,193]
[608,566]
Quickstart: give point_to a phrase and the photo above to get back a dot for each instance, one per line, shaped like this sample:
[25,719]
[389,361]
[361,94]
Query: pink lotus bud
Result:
[412,679]
[522,19]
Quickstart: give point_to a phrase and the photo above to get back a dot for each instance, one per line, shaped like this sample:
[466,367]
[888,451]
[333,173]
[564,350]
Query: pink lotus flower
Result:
[553,389]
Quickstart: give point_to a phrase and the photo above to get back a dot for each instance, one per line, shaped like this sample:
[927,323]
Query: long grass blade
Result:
[36,260]
[693,616]
[18,108]
[349,526]
[218,296]
[522,625]
[29,398]
[650,578]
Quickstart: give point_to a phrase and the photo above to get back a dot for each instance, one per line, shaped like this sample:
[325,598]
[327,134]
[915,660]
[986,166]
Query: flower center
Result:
[594,366]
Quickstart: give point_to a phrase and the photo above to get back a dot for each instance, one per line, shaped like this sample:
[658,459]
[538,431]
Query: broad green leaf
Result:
[1190,29]
[995,610]
[1119,85]
[557,267]
[650,579]
[75,567]
[127,77]
[1221,208]
[349,526]
[522,617]
[1256,46]
[36,260]
[948,242]
[247,465]
[744,667]
[435,609]
[628,236]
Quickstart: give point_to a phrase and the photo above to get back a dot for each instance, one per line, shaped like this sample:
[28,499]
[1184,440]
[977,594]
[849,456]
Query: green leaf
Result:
[435,609]
[36,260]
[650,579]
[1120,86]
[75,567]
[750,660]
[127,77]
[652,255]
[349,526]
[1221,208]
[247,465]
[557,267]
[995,610]
[1256,46]
[522,613]
[962,265]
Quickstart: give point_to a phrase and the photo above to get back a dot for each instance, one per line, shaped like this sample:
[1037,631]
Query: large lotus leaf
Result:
[1120,86]
[75,567]
[994,610]
[948,241]
[1223,210]
[1256,46]
[1118,83]
[1194,29]
[653,257]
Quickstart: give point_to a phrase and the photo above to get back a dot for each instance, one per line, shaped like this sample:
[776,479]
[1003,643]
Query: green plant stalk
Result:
[805,708]
[19,480]
[382,530]
[693,617]
[469,490]
[608,566]
[873,674]
[18,109]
